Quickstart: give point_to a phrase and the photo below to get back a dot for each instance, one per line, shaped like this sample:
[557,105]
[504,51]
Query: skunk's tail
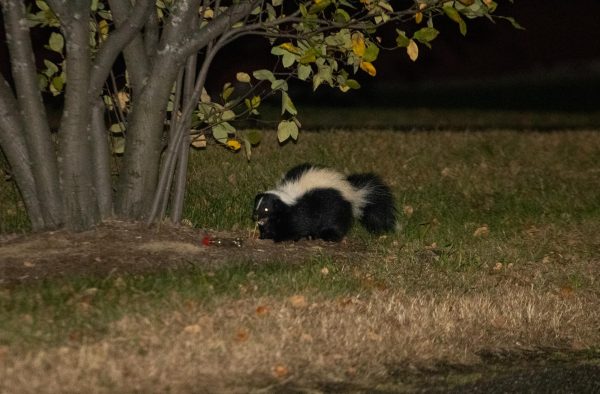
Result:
[379,212]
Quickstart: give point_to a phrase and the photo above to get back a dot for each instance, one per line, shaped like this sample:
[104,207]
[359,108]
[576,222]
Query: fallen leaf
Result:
[298,301]
[242,335]
[482,231]
[192,329]
[262,310]
[28,264]
[280,371]
[408,210]
[324,271]
[566,291]
[498,266]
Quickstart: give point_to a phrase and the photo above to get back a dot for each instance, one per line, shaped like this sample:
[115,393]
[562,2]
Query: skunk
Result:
[316,202]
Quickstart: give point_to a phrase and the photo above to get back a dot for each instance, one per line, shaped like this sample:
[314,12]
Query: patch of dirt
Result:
[117,247]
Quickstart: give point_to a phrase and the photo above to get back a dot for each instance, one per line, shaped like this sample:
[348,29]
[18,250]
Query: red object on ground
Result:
[207,240]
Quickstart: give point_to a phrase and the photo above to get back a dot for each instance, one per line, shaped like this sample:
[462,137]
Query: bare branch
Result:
[136,59]
[126,31]
[217,27]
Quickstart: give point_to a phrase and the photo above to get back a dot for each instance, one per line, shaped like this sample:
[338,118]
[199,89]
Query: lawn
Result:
[497,252]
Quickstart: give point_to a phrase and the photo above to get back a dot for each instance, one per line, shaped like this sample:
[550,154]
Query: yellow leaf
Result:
[368,68]
[358,44]
[419,17]
[413,50]
[233,145]
[288,46]
[122,100]
[103,29]
[208,13]
[242,77]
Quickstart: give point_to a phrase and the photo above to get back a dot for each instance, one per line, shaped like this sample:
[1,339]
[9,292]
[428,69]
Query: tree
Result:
[66,178]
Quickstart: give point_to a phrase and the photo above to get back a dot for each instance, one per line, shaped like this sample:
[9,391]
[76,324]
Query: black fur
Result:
[323,213]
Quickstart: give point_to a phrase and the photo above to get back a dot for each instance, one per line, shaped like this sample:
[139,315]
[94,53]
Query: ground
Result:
[117,248]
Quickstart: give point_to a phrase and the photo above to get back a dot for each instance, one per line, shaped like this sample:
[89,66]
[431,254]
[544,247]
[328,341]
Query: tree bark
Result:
[35,127]
[75,153]
[101,160]
[12,142]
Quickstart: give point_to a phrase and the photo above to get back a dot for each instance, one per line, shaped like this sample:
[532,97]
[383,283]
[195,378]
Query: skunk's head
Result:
[267,211]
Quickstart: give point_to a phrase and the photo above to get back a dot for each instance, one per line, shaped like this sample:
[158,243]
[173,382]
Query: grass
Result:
[497,248]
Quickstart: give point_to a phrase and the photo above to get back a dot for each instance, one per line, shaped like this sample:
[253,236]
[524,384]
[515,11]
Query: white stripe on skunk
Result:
[315,202]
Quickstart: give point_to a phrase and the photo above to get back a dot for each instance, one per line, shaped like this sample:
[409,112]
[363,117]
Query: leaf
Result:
[412,50]
[368,68]
[287,129]
[426,34]
[288,46]
[352,84]
[234,145]
[304,71]
[122,100]
[288,59]
[371,53]
[402,40]
[341,16]
[103,29]
[117,128]
[199,142]
[358,44]
[221,131]
[205,97]
[51,68]
[56,42]
[228,90]
[264,75]
[287,104]
[482,231]
[298,301]
[118,145]
[242,77]
[453,14]
[279,84]
[254,137]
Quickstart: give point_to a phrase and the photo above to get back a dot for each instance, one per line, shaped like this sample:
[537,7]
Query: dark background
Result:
[552,65]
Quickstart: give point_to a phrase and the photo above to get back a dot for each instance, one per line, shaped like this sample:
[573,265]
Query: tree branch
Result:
[33,113]
[12,143]
[101,160]
[138,66]
[126,31]
[75,151]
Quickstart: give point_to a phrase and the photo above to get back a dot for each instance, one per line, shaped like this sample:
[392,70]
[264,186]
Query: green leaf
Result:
[318,7]
[58,83]
[227,91]
[287,129]
[228,115]
[371,53]
[118,145]
[352,84]
[453,14]
[117,128]
[426,35]
[277,3]
[42,5]
[287,104]
[279,84]
[56,42]
[304,71]
[402,40]
[264,75]
[288,59]
[254,137]
[51,68]
[221,131]
[341,16]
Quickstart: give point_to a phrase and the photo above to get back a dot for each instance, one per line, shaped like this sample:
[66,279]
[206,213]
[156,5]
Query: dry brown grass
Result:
[261,343]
